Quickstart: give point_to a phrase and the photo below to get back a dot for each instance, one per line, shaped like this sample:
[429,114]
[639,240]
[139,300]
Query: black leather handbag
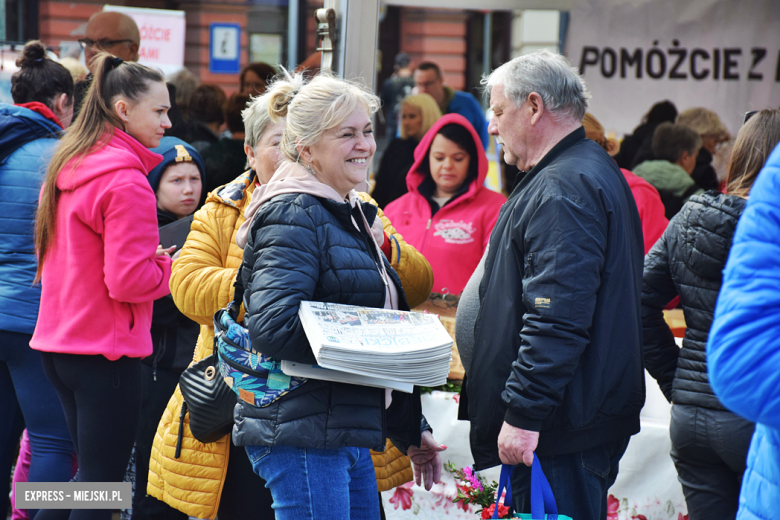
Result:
[207,398]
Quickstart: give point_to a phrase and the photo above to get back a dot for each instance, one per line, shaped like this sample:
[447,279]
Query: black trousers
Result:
[709,448]
[244,495]
[157,391]
[102,404]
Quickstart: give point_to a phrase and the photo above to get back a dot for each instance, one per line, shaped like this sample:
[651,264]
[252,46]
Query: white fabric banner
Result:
[718,54]
[162,34]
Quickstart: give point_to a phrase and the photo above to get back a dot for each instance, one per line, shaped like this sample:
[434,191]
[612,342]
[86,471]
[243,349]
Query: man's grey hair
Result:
[550,75]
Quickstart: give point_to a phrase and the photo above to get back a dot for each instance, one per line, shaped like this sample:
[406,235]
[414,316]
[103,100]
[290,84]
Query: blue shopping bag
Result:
[543,506]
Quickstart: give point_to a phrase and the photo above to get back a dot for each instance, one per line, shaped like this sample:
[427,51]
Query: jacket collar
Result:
[43,110]
[116,150]
[237,192]
[563,145]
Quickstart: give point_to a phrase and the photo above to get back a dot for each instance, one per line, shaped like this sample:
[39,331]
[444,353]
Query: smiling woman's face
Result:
[342,156]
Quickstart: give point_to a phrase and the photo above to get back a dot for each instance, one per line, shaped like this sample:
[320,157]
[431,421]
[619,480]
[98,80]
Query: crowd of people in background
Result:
[98,320]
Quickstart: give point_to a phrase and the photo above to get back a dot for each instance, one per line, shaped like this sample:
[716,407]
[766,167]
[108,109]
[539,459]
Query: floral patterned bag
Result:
[256,379]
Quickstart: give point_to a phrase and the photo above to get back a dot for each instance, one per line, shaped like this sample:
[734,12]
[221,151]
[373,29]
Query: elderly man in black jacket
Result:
[557,359]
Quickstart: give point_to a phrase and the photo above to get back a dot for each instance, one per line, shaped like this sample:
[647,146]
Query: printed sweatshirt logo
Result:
[455,232]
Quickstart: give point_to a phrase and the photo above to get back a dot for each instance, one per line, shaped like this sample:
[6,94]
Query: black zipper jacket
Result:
[558,339]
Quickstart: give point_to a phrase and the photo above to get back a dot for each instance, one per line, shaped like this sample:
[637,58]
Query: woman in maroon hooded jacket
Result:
[448,213]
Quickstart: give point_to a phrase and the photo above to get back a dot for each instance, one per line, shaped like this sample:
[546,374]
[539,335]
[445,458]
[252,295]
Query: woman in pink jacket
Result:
[101,267]
[448,213]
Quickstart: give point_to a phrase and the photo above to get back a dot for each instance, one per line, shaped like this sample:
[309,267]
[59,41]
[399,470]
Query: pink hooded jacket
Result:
[454,239]
[101,275]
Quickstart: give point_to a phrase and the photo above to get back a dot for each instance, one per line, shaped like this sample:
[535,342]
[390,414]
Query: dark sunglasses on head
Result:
[749,114]
[100,44]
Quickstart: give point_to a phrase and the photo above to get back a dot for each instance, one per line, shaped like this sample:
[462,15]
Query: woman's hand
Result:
[162,251]
[426,462]
[378,231]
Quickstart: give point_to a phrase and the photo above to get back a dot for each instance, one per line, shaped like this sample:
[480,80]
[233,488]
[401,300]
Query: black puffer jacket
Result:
[688,261]
[558,341]
[301,248]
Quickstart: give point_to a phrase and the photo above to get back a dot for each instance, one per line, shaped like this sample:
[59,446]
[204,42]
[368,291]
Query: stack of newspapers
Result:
[373,347]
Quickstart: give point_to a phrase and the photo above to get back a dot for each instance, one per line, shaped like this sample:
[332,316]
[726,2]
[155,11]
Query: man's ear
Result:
[536,105]
[134,51]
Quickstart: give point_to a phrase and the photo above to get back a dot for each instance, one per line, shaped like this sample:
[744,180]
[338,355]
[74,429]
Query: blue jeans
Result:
[579,480]
[23,384]
[318,484]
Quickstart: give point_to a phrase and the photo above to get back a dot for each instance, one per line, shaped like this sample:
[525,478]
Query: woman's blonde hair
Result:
[314,106]
[755,141]
[429,111]
[92,129]
[704,122]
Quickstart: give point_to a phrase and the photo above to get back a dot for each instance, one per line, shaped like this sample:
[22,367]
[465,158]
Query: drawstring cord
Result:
[354,202]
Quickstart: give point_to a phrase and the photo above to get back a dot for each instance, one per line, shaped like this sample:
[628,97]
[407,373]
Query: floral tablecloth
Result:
[646,487]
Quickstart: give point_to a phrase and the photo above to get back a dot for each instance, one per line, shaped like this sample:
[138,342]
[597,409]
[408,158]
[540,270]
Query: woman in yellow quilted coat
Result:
[200,482]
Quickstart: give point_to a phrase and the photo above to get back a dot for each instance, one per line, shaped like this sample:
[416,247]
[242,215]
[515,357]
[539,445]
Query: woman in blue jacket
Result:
[43,95]
[743,350]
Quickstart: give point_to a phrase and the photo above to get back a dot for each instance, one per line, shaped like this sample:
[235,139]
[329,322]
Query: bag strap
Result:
[504,483]
[542,498]
[234,307]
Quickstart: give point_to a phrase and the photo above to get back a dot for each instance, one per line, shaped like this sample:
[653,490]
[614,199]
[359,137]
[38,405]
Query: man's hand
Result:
[425,460]
[516,445]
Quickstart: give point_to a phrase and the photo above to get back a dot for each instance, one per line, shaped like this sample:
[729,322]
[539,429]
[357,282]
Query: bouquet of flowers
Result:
[474,489]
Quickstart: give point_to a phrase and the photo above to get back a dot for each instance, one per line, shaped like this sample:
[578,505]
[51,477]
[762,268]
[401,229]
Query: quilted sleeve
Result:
[281,269]
[658,289]
[200,282]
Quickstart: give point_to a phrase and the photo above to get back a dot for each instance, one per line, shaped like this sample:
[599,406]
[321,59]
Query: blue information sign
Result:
[224,48]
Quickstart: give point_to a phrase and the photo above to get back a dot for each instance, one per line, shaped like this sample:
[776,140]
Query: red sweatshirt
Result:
[453,239]
[651,209]
[101,275]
